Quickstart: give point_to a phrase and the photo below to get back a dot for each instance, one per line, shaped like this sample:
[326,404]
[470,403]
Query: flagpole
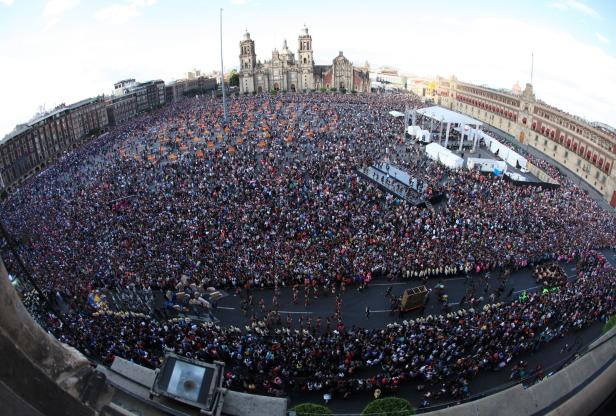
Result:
[222,73]
[532,65]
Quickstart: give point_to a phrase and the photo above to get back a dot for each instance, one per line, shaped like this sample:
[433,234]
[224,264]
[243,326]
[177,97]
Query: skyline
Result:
[71,50]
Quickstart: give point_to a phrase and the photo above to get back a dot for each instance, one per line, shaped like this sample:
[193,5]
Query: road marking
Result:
[225,308]
[523,290]
[296,312]
[389,284]
[381,311]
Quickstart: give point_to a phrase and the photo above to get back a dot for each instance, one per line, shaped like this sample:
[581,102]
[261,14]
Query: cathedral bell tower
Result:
[305,60]
[248,62]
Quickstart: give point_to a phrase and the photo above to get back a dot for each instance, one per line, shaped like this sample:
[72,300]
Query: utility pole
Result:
[222,72]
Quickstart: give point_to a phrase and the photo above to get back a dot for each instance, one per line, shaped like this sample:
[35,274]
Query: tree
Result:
[389,406]
[234,79]
[311,409]
[322,89]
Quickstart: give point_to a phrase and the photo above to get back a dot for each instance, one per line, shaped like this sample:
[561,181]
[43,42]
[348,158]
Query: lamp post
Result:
[222,73]
[406,121]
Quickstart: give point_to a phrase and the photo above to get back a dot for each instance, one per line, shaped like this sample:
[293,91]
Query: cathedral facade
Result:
[286,73]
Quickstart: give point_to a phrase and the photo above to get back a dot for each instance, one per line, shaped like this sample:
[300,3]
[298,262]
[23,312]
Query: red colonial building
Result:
[587,149]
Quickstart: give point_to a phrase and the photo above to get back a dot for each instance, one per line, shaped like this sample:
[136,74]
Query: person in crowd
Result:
[181,201]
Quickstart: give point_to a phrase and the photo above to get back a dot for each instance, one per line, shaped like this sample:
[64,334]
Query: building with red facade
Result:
[585,148]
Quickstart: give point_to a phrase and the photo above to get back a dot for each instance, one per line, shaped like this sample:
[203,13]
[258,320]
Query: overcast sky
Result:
[58,51]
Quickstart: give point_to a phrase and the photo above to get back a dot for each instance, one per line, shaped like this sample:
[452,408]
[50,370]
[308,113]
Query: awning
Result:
[447,116]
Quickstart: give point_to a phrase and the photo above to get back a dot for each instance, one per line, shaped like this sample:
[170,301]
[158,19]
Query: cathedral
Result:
[286,73]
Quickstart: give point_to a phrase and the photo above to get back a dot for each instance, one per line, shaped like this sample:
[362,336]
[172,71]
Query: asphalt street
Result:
[354,302]
[551,356]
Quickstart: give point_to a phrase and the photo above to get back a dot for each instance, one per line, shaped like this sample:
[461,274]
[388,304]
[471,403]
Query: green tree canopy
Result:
[234,79]
[389,406]
[311,409]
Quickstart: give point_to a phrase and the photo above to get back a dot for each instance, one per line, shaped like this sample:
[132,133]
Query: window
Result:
[566,154]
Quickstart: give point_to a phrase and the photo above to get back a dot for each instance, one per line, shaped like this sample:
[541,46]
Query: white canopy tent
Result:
[448,117]
[507,154]
[419,133]
[444,156]
[396,113]
[486,165]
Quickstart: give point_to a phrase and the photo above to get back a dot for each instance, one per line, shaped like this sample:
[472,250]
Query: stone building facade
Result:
[586,149]
[33,145]
[182,88]
[121,108]
[285,72]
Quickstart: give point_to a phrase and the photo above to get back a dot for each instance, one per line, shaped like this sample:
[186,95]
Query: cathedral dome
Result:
[285,48]
[517,90]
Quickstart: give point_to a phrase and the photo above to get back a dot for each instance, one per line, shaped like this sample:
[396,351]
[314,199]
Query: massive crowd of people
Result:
[439,353]
[272,198]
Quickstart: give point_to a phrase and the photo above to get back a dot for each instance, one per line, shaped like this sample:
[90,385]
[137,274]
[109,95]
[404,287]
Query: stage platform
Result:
[397,182]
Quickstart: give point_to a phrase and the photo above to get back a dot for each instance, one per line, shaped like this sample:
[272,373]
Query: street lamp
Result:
[222,73]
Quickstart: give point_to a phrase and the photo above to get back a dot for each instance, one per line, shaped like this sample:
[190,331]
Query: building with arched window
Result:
[586,149]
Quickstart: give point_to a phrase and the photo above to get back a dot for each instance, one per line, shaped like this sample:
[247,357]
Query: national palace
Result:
[587,149]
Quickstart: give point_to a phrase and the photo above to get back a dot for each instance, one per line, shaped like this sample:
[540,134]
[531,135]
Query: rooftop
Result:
[20,128]
[447,116]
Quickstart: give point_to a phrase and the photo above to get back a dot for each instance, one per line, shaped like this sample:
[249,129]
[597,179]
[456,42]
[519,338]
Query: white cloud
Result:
[240,2]
[56,8]
[575,5]
[602,38]
[76,49]
[566,83]
[119,13]
[570,84]
[7,2]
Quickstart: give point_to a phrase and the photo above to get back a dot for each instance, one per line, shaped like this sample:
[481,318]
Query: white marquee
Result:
[444,115]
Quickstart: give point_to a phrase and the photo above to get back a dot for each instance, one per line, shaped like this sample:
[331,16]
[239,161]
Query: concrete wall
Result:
[244,404]
[578,389]
[37,373]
